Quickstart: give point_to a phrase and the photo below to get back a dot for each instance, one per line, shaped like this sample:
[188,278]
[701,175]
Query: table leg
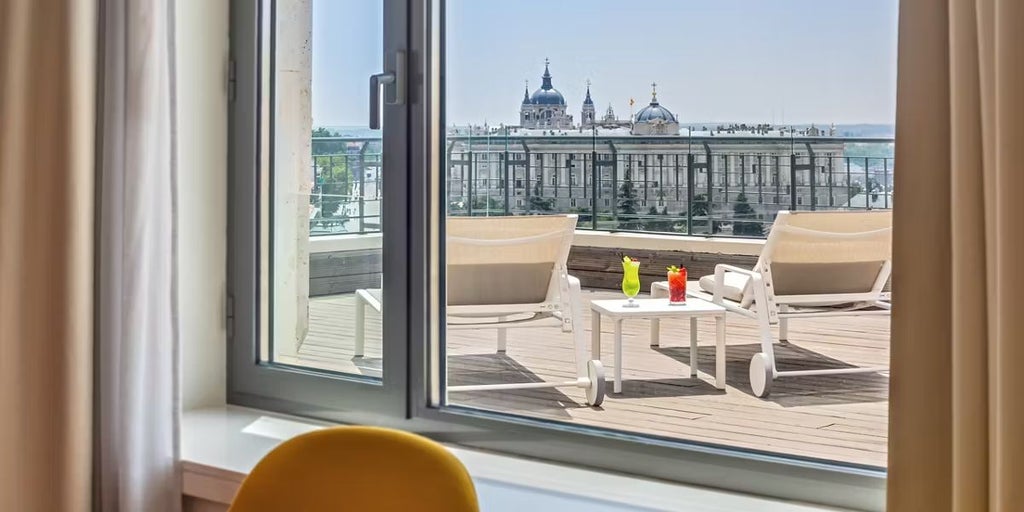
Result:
[502,336]
[655,332]
[595,335]
[656,293]
[360,326]
[720,352]
[693,347]
[618,356]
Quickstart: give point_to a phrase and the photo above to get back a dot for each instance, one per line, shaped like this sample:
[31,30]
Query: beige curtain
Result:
[47,72]
[957,390]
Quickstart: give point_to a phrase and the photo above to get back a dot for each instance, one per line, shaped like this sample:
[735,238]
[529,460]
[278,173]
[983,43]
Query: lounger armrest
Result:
[725,267]
[721,269]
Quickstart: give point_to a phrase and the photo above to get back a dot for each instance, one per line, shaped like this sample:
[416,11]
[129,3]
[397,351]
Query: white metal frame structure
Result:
[814,264]
[485,248]
[512,272]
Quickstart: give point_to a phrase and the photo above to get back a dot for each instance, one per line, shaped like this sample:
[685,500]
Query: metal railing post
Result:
[743,174]
[812,171]
[615,183]
[867,183]
[726,161]
[593,189]
[660,192]
[709,184]
[506,179]
[760,180]
[540,177]
[568,174]
[691,175]
[778,178]
[792,181]
[885,182]
[675,166]
[813,177]
[469,186]
[362,186]
[849,185]
[526,178]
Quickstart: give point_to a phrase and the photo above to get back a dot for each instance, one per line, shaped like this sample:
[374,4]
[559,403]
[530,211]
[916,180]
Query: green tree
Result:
[700,210]
[664,224]
[538,202]
[743,210]
[326,147]
[585,216]
[332,190]
[627,204]
[491,204]
[699,207]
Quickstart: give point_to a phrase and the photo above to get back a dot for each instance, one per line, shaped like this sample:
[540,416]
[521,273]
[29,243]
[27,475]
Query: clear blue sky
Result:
[714,60]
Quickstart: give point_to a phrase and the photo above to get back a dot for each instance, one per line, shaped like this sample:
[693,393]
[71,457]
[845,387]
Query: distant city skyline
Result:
[785,61]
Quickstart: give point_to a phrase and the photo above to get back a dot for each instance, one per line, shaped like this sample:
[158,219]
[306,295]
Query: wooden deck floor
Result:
[840,418]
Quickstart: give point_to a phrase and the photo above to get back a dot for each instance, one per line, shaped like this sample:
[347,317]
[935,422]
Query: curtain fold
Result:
[138,404]
[47,76]
[956,410]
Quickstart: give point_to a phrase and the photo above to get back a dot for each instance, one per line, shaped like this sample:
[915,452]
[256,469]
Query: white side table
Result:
[365,297]
[654,310]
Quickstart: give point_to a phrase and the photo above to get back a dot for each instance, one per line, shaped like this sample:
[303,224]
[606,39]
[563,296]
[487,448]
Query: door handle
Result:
[396,78]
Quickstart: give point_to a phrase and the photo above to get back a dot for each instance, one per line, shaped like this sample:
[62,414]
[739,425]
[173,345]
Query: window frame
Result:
[277,386]
[409,398]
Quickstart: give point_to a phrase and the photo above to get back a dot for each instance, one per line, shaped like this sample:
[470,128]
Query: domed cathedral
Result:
[546,107]
[588,114]
[655,119]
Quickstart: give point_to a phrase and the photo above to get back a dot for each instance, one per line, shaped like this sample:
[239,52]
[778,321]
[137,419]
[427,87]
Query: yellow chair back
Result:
[359,469]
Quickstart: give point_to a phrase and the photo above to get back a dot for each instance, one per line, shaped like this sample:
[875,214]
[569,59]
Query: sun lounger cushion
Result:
[735,284]
[825,278]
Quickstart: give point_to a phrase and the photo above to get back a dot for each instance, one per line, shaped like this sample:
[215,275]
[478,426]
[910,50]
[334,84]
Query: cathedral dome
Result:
[547,94]
[655,112]
[547,97]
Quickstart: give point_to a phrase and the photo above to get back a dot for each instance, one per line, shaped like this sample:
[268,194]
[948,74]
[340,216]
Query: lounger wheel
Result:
[595,388]
[760,375]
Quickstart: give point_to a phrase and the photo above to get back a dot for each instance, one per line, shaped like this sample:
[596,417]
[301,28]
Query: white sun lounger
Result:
[814,264]
[510,272]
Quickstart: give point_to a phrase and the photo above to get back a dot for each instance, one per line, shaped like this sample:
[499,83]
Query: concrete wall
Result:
[345,263]
[293,171]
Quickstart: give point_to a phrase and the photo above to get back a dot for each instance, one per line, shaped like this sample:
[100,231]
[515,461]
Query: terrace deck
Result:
[840,417]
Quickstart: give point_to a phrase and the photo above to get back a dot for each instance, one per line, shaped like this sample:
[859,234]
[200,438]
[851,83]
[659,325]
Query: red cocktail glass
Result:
[677,285]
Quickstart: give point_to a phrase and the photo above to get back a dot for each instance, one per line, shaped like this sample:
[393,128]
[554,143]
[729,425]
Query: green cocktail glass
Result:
[630,281]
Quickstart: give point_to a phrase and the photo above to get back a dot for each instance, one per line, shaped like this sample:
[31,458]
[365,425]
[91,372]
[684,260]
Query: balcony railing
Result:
[721,186]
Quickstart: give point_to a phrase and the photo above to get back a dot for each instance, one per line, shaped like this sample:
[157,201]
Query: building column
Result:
[293,174]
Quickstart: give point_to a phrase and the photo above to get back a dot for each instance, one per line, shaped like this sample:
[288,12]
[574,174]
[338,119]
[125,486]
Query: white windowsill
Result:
[220,445]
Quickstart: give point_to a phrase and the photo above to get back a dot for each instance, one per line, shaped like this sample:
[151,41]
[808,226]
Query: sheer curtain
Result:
[137,370]
[47,54]
[956,438]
